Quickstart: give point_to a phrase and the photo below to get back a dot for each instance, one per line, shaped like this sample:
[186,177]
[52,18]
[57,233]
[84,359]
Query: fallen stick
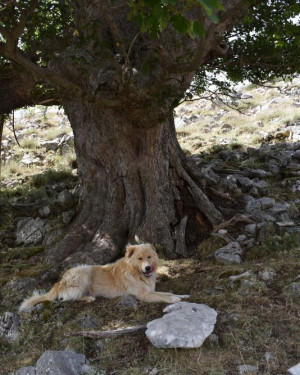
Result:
[105,334]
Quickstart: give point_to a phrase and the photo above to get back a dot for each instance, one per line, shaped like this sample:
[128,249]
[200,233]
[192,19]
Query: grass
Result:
[248,326]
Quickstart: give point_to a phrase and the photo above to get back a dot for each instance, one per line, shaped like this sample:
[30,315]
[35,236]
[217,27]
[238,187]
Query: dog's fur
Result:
[134,274]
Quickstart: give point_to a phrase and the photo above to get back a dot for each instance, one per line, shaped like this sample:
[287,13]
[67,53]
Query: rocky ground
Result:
[247,270]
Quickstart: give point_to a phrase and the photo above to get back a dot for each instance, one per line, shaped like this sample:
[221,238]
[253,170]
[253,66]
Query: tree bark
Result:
[134,185]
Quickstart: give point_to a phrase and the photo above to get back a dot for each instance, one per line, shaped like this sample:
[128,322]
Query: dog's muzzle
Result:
[148,271]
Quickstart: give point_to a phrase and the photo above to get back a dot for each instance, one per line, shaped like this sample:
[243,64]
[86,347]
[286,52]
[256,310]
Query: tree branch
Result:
[113,333]
[17,32]
[52,78]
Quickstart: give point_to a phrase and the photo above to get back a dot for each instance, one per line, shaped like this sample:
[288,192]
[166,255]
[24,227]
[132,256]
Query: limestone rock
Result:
[247,369]
[229,254]
[9,324]
[58,363]
[128,301]
[295,370]
[185,325]
[45,211]
[30,231]
[50,145]
[64,197]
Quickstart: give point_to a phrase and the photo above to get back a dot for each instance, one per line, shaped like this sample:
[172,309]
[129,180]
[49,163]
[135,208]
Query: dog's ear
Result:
[129,251]
[153,248]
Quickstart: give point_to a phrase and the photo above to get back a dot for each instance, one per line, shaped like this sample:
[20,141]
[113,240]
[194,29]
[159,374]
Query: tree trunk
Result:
[134,185]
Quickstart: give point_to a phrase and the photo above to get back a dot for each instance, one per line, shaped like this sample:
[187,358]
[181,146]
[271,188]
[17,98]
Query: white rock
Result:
[186,325]
[229,254]
[247,369]
[246,96]
[294,370]
[30,231]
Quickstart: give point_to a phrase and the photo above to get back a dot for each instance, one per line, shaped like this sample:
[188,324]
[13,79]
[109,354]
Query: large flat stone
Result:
[185,325]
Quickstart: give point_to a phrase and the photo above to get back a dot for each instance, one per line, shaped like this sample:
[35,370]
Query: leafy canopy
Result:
[262,47]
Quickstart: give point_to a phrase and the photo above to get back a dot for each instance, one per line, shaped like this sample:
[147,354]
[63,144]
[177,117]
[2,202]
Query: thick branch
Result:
[113,333]
[52,78]
[211,40]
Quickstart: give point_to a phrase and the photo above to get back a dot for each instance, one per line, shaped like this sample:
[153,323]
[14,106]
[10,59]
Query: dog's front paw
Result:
[174,299]
[90,299]
[182,296]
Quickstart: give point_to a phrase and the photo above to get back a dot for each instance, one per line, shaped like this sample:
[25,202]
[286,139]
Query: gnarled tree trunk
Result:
[134,184]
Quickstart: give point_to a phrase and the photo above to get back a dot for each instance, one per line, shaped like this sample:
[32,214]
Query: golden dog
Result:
[134,274]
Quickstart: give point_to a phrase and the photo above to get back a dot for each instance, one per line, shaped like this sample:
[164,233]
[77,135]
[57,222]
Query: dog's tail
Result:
[37,298]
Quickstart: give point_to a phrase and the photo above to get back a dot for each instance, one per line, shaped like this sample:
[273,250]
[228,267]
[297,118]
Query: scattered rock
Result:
[23,284]
[247,369]
[68,216]
[58,363]
[87,322]
[266,274]
[45,211]
[128,301]
[50,145]
[185,325]
[292,290]
[30,231]
[65,197]
[246,96]
[9,324]
[229,254]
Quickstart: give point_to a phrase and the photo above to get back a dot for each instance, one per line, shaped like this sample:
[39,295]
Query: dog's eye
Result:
[149,257]
[140,258]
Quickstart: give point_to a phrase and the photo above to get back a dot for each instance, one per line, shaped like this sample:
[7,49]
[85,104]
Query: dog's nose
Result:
[147,268]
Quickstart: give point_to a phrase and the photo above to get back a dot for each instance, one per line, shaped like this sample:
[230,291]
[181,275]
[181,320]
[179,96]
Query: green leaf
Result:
[198,29]
[214,18]
[211,4]
[180,23]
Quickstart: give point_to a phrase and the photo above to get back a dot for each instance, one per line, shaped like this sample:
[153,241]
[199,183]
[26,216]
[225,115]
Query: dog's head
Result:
[143,258]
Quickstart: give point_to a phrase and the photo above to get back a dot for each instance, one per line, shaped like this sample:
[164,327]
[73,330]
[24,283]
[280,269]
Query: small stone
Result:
[286,224]
[44,211]
[241,238]
[9,324]
[251,229]
[266,274]
[64,197]
[292,290]
[128,301]
[100,345]
[30,231]
[266,202]
[50,145]
[244,275]
[295,370]
[68,216]
[154,371]
[229,254]
[247,369]
[213,339]
[246,96]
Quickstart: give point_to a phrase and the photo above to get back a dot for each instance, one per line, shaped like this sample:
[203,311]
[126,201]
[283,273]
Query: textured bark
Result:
[134,184]
[119,87]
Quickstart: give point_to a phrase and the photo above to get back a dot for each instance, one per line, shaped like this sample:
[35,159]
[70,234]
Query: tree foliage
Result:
[261,46]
